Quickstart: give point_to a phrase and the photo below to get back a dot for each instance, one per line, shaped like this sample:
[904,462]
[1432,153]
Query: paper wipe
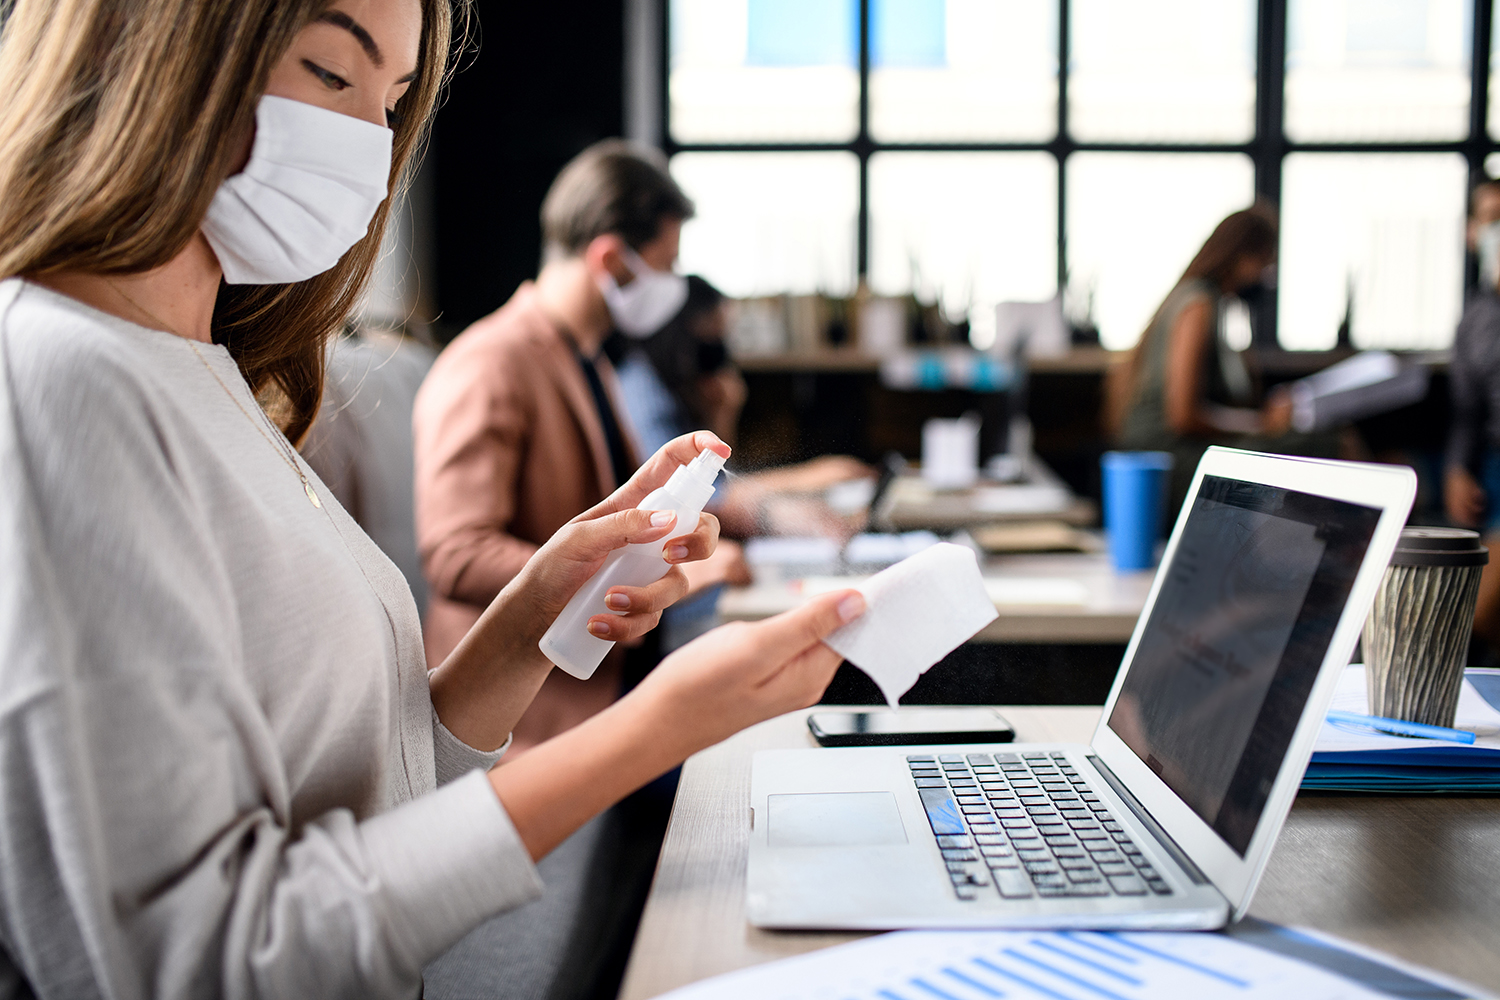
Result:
[916,612]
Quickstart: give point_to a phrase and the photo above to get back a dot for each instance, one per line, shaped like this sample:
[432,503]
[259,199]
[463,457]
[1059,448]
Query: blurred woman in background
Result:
[1183,387]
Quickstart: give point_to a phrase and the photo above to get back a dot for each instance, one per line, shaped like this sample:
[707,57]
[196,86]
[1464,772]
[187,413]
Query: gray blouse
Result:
[220,769]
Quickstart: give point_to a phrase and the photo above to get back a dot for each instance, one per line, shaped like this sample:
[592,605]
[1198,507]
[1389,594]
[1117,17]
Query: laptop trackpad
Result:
[835,819]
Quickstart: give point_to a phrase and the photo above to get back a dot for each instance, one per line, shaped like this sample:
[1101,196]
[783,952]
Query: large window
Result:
[980,151]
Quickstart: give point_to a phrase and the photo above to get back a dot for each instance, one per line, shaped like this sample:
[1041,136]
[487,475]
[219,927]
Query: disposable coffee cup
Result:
[1416,640]
[1135,493]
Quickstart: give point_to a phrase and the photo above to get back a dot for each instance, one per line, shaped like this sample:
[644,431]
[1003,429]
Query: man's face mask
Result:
[312,185]
[642,307]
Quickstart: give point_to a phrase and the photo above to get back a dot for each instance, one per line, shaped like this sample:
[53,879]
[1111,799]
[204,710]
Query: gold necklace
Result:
[284,449]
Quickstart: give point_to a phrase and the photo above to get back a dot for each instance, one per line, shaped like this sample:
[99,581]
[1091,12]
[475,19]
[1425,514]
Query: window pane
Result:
[964,70]
[1369,70]
[1135,220]
[764,70]
[770,223]
[966,229]
[1378,236]
[1162,71]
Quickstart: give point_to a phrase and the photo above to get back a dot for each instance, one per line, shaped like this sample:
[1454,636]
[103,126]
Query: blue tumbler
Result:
[1135,492]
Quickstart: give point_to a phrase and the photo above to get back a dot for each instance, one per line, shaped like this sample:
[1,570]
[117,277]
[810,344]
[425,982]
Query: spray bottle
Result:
[568,643]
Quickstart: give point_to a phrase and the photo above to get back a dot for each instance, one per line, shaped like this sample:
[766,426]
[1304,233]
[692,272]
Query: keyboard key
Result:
[977,828]
[1127,885]
[981,758]
[1056,842]
[1034,854]
[1034,755]
[1083,824]
[1063,853]
[942,811]
[949,758]
[1112,826]
[1148,873]
[919,756]
[1094,836]
[1060,754]
[1116,868]
[1077,814]
[996,851]
[1159,887]
[1139,860]
[931,783]
[1088,889]
[1052,890]
[1012,883]
[953,841]
[1016,824]
[959,854]
[1048,880]
[1082,875]
[988,838]
[1052,829]
[969,800]
[973,809]
[1108,857]
[1067,863]
[1008,862]
[966,892]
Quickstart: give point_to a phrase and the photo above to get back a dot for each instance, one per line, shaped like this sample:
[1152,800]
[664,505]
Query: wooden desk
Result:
[1417,878]
[1108,614]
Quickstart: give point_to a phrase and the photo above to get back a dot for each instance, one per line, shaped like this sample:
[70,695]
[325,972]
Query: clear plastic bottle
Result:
[568,643]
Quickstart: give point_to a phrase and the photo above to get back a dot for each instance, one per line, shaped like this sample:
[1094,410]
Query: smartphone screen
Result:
[910,727]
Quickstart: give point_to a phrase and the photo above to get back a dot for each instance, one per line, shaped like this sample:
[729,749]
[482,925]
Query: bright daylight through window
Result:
[979,151]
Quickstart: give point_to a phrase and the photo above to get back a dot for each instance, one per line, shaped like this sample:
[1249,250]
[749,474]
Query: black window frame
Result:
[1267,148]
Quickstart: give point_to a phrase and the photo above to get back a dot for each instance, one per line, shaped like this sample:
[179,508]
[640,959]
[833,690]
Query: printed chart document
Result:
[1039,965]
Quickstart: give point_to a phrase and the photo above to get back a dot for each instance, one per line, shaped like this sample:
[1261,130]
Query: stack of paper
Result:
[1351,758]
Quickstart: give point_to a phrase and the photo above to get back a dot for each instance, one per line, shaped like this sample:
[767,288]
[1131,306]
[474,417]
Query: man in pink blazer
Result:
[518,427]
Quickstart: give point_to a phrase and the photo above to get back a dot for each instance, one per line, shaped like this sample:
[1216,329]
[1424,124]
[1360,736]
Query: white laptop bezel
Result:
[1391,489]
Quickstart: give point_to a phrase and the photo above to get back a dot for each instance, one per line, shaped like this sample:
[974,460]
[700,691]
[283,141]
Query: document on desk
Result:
[1036,965]
[917,612]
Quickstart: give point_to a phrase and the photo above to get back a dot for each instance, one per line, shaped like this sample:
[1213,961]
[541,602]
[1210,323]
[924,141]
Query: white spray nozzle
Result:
[705,468]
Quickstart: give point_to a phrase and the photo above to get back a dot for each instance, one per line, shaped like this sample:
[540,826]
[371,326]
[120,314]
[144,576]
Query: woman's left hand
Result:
[576,552]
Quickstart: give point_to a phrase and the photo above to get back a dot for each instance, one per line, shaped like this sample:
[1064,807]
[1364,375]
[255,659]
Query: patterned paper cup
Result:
[1416,640]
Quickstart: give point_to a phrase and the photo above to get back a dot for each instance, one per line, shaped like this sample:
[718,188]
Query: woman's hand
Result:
[578,549]
[733,677]
[1276,415]
[746,672]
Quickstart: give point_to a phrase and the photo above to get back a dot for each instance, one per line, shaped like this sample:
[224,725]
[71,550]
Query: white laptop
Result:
[1166,818]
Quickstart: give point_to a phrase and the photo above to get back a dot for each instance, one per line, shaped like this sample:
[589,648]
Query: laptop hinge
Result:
[1167,843]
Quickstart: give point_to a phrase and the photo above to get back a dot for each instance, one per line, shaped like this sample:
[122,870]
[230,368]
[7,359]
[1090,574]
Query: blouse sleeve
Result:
[146,847]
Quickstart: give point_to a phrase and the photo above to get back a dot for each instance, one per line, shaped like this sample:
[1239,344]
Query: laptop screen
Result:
[1241,624]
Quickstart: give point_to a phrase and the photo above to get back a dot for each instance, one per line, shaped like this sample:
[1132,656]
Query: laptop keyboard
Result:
[1027,824]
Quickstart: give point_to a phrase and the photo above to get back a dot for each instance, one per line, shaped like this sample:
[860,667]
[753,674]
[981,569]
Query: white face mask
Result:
[1489,256]
[314,181]
[642,307]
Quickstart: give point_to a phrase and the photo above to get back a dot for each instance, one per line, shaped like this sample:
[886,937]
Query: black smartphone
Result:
[882,727]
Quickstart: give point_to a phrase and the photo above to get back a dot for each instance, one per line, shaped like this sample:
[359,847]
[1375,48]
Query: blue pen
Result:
[1399,728]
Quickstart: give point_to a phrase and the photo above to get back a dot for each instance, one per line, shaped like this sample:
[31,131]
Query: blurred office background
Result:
[961,153]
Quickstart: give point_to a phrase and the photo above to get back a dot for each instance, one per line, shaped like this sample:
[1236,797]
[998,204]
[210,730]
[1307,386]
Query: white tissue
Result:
[916,612]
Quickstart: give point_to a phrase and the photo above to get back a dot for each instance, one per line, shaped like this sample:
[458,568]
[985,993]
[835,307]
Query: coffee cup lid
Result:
[1439,547]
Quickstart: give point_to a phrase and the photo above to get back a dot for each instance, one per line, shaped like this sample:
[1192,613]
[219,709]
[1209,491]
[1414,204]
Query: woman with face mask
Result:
[224,769]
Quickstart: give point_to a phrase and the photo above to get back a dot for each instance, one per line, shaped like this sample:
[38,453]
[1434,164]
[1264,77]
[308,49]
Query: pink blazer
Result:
[509,448]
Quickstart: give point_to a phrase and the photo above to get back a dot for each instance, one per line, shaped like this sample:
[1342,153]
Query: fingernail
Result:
[662,518]
[677,551]
[617,602]
[600,629]
[851,607]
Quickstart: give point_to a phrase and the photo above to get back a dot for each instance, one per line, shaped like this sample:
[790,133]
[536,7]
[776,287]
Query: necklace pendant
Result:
[307,488]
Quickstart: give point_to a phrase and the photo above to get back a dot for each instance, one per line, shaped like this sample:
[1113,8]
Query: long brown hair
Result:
[1250,232]
[121,118]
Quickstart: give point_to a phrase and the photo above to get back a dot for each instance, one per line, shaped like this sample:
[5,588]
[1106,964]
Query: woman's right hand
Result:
[746,672]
